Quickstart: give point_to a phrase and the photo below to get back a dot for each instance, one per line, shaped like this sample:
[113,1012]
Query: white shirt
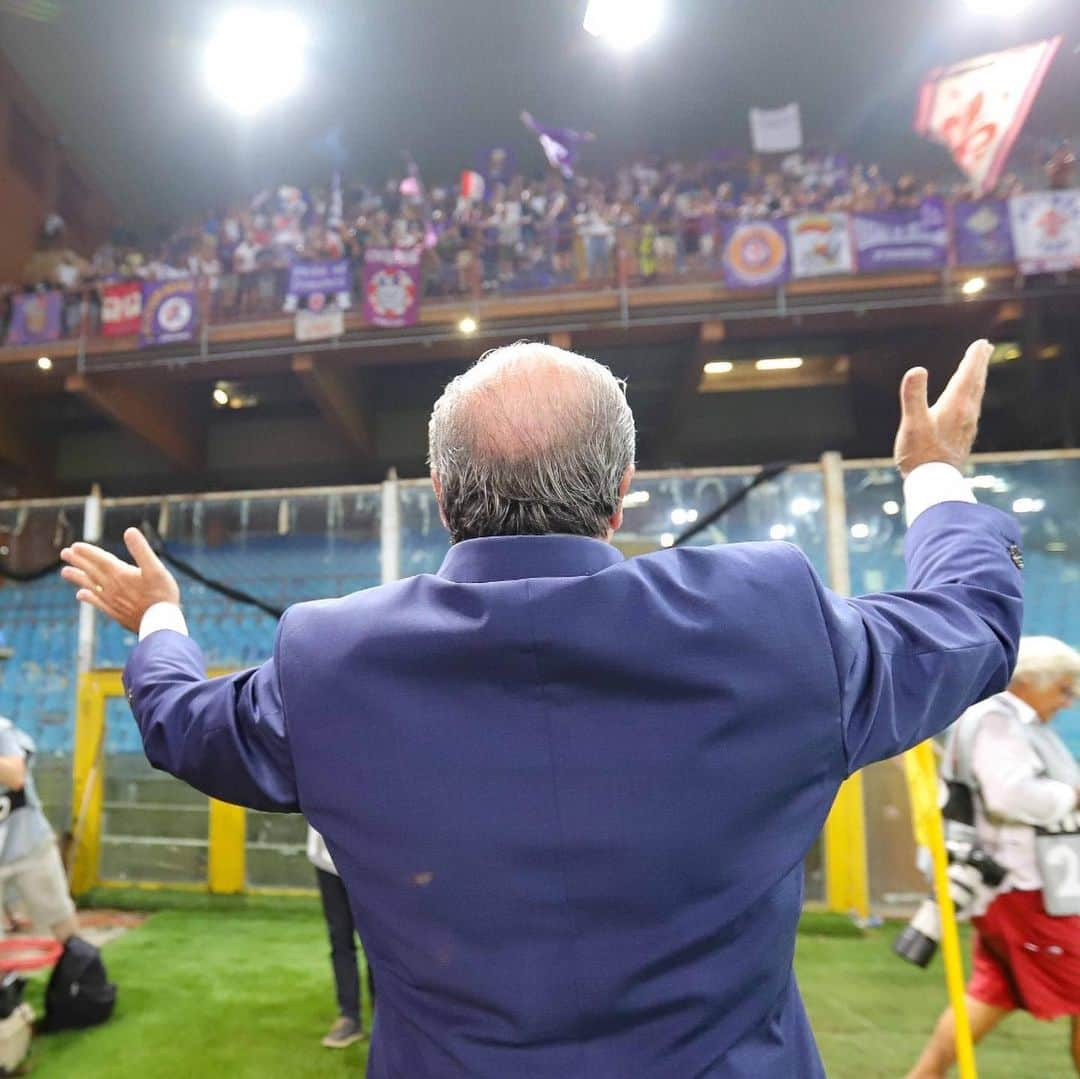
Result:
[1014,795]
[924,487]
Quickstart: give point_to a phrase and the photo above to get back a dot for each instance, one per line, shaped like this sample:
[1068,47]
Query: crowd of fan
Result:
[500,231]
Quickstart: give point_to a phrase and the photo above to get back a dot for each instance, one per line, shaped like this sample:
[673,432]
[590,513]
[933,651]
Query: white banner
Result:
[820,245]
[977,107]
[1046,231]
[318,325]
[776,131]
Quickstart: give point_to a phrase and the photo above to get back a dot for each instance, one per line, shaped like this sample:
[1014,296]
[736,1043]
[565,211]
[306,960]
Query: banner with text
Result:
[980,233]
[776,131]
[755,254]
[121,308]
[170,312]
[392,286]
[315,285]
[1046,231]
[820,245]
[35,318]
[902,239]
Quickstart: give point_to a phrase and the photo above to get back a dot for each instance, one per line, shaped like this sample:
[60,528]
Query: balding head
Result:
[531,440]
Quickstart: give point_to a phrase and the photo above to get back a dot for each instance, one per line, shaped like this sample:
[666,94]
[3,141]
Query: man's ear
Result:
[615,520]
[438,499]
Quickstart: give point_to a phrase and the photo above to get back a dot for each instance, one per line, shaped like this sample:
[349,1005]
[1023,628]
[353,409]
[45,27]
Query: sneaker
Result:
[344,1032]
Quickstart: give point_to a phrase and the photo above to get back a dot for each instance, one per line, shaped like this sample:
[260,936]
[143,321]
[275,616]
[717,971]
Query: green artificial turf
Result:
[242,988]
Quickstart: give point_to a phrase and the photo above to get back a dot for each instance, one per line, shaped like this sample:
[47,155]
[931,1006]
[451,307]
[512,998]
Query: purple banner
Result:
[392,286]
[756,254]
[170,312]
[982,235]
[902,239]
[326,277]
[35,318]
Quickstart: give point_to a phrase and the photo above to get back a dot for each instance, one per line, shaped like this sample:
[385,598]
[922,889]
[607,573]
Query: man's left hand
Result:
[118,589]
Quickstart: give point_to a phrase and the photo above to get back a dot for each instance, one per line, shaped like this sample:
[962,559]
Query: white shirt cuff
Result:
[162,616]
[932,483]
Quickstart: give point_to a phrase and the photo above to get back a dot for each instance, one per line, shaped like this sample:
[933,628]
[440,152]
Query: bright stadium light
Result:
[973,286]
[892,507]
[467,326]
[781,363]
[719,367]
[1029,505]
[860,530]
[255,58]
[1003,8]
[667,539]
[624,24]
[220,396]
[44,363]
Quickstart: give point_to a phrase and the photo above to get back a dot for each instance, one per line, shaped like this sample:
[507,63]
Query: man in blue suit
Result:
[570,795]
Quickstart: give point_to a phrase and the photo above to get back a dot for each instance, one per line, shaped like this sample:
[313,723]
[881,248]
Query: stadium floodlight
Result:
[256,58]
[860,530]
[973,286]
[1029,505]
[781,363]
[44,363]
[624,24]
[467,326]
[667,539]
[1003,8]
[892,507]
[221,396]
[719,367]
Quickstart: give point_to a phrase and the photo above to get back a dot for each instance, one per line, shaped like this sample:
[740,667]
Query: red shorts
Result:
[1023,958]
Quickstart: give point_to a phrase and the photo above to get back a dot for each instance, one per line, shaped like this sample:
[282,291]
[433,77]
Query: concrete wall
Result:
[24,203]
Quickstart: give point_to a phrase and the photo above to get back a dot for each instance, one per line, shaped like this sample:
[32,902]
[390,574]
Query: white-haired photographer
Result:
[1025,786]
[29,857]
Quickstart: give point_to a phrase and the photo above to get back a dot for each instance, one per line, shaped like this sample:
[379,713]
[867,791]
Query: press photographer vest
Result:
[1057,846]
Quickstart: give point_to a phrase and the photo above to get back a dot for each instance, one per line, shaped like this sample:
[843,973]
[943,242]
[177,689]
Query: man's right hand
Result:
[946,430]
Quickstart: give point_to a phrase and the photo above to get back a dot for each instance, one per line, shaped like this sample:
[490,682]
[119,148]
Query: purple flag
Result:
[327,277]
[902,239]
[981,233]
[756,254]
[392,286]
[170,312]
[318,284]
[560,144]
[35,318]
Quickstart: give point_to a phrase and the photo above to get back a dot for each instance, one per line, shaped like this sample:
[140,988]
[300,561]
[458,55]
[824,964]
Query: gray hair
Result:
[1043,660]
[531,440]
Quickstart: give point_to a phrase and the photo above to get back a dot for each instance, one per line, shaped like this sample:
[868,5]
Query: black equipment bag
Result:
[79,993]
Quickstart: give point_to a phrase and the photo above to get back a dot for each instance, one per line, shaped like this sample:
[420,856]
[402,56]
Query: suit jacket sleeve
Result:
[227,736]
[908,663]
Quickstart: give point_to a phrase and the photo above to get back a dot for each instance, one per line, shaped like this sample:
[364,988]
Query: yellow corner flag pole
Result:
[921,771]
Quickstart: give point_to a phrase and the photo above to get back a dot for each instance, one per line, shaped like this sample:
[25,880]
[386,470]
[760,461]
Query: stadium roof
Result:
[122,80]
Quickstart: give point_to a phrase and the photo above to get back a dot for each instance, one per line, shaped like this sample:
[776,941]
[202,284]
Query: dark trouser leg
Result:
[339,925]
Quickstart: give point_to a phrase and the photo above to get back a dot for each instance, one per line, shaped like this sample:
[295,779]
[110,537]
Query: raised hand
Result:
[946,430]
[118,589]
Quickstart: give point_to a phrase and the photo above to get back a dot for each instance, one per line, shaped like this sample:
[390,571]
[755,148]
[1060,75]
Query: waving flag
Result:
[560,144]
[977,107]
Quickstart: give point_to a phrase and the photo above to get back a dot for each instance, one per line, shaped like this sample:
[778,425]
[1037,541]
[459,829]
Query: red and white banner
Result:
[977,107]
[121,309]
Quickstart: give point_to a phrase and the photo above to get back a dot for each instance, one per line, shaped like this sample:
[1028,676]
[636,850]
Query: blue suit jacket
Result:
[570,795]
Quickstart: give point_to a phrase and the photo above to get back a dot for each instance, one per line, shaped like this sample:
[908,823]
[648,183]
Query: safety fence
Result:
[133,825]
